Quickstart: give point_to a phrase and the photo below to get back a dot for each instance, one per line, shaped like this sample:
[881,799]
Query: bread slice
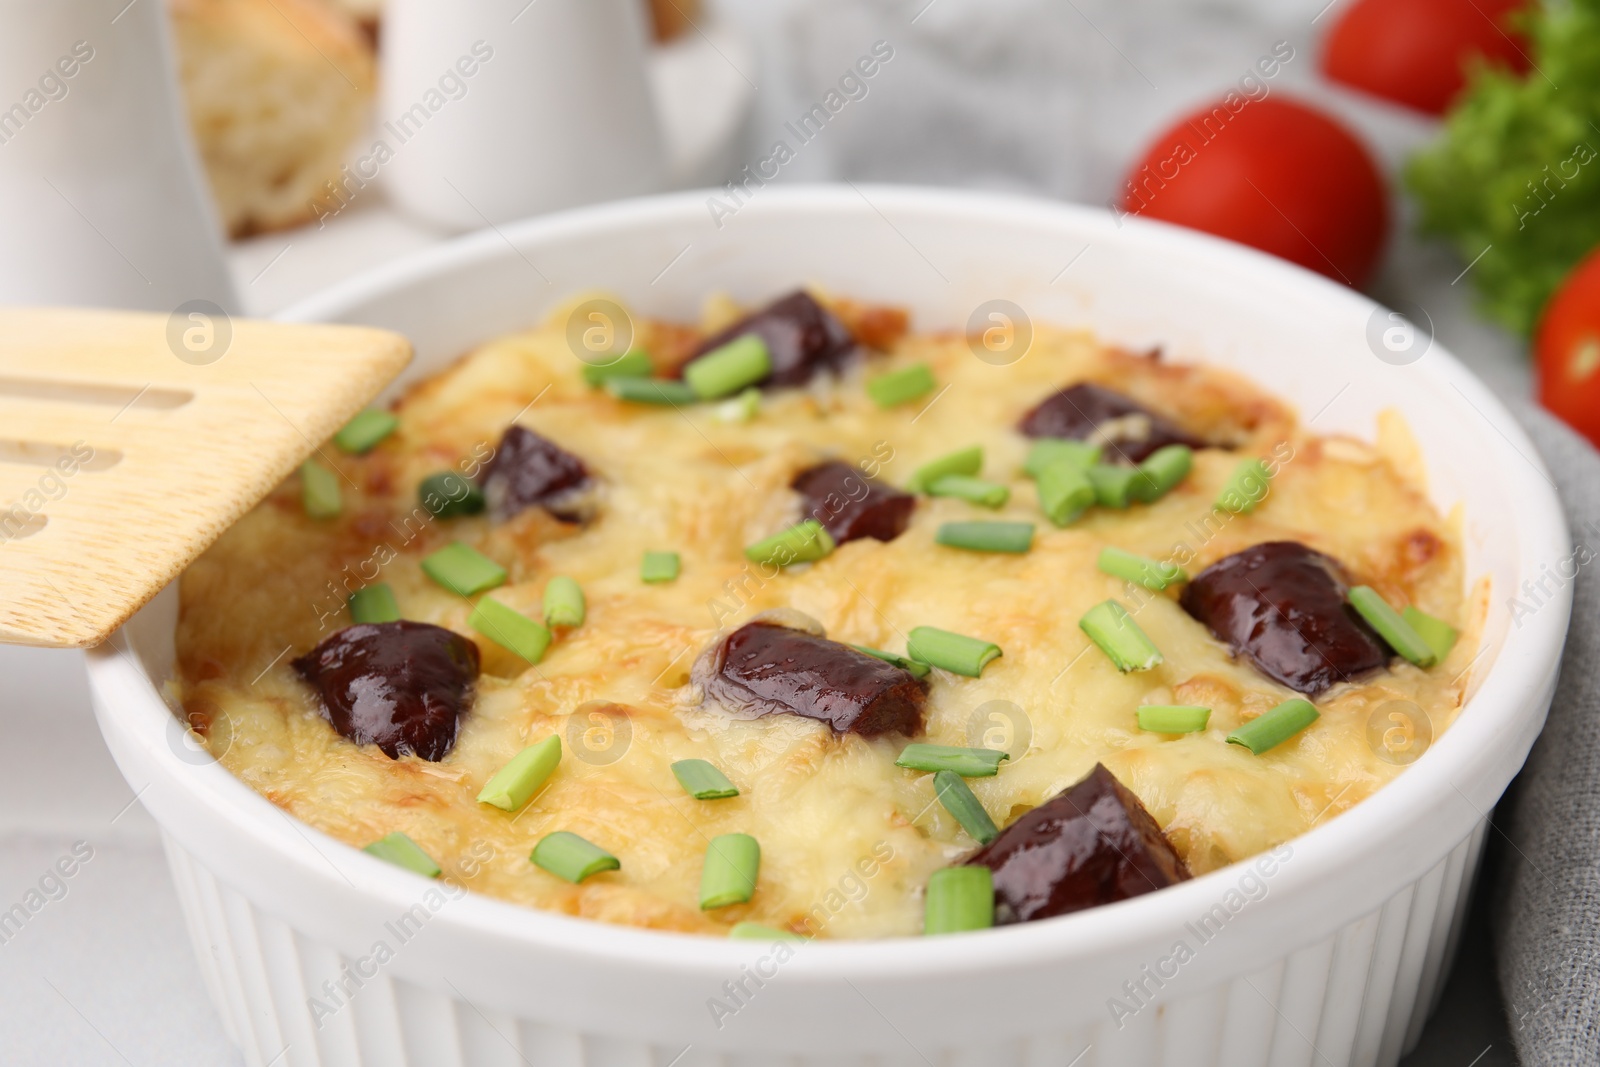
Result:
[277,91]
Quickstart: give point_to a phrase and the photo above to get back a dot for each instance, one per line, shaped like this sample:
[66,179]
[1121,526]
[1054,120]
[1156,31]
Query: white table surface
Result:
[104,974]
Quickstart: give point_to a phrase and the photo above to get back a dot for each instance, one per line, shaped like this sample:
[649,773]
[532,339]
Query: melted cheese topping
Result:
[847,839]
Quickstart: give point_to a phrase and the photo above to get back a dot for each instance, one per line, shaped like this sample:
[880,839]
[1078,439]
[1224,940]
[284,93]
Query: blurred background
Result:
[1435,154]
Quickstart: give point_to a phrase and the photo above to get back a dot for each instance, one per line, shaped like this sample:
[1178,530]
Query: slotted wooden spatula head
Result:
[129,442]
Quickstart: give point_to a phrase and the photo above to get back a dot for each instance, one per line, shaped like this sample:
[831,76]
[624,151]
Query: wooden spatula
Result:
[129,442]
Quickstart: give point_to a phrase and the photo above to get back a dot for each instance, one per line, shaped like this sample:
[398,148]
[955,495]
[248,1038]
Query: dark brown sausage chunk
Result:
[1079,410]
[851,505]
[1282,606]
[766,669]
[403,686]
[802,336]
[1091,844]
[528,469]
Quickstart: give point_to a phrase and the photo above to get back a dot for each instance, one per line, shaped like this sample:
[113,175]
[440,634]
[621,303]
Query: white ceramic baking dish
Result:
[1332,957]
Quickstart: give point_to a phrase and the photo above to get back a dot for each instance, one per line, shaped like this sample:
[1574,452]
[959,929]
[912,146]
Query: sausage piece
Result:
[1130,431]
[527,470]
[802,336]
[1282,606]
[763,668]
[1091,844]
[850,505]
[403,686]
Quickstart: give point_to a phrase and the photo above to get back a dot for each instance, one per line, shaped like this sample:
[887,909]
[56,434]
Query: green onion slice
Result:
[510,629]
[1065,491]
[1051,450]
[703,781]
[1161,471]
[514,784]
[900,386]
[959,800]
[959,899]
[374,603]
[448,495]
[1246,487]
[741,408]
[1109,626]
[566,855]
[967,762]
[659,567]
[1391,626]
[1113,486]
[1273,728]
[986,536]
[972,490]
[1173,718]
[966,461]
[401,851]
[319,491]
[1440,635]
[748,931]
[954,652]
[651,391]
[362,433]
[733,862]
[1140,570]
[463,569]
[635,363]
[564,604]
[919,669]
[804,542]
[741,362]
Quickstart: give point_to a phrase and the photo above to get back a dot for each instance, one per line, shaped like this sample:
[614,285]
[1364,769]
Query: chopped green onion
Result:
[319,490]
[1065,491]
[635,363]
[651,391]
[362,433]
[1440,635]
[759,932]
[972,490]
[804,542]
[563,602]
[400,850]
[1246,487]
[986,536]
[959,899]
[510,629]
[954,652]
[1051,450]
[1113,486]
[1273,728]
[374,603]
[514,784]
[966,461]
[463,569]
[566,855]
[919,669]
[1109,625]
[741,408]
[659,567]
[729,876]
[447,495]
[1173,718]
[900,386]
[1391,627]
[1140,570]
[703,781]
[959,800]
[967,762]
[722,371]
[1161,471]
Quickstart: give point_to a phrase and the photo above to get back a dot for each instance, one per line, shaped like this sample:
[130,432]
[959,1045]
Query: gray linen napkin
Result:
[1547,908]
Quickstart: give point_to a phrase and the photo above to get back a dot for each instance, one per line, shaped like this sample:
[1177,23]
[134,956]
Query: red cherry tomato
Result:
[1416,52]
[1567,348]
[1273,174]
